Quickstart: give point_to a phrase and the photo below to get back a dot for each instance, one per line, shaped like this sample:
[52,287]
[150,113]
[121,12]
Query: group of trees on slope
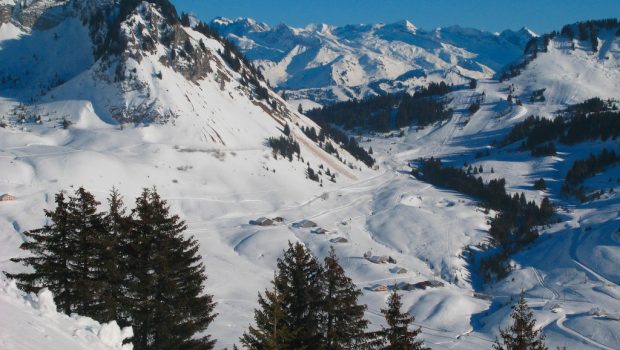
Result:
[590,120]
[388,112]
[315,306]
[347,142]
[586,31]
[515,223]
[138,268]
[582,169]
[287,146]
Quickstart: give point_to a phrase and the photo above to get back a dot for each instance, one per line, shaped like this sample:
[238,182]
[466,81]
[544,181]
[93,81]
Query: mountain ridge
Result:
[327,63]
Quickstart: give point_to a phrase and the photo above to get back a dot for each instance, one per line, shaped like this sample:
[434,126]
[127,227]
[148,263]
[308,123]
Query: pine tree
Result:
[115,270]
[342,324]
[521,335]
[398,336]
[300,109]
[298,283]
[321,137]
[271,331]
[169,306]
[51,253]
[286,130]
[293,306]
[87,239]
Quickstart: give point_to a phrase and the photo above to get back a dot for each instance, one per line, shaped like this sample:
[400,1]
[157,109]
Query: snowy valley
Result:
[172,106]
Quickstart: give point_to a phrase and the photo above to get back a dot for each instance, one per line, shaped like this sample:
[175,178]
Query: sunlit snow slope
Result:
[199,137]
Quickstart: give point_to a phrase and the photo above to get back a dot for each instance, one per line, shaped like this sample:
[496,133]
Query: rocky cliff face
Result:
[35,14]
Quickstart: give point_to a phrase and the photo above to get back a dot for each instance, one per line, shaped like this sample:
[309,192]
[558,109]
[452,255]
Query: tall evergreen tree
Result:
[298,284]
[271,331]
[397,335]
[114,270]
[342,324]
[169,306]
[50,257]
[297,292]
[87,238]
[522,335]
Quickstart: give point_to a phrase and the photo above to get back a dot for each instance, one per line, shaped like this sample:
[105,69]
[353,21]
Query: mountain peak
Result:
[403,25]
[239,25]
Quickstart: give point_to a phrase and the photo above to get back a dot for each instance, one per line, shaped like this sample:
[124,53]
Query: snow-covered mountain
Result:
[86,100]
[326,63]
[141,67]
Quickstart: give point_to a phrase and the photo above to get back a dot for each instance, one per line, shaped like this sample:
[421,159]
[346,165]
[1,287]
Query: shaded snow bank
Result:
[46,328]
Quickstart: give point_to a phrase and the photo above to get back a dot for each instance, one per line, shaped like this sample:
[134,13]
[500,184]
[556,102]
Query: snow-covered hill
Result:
[198,135]
[327,64]
[142,101]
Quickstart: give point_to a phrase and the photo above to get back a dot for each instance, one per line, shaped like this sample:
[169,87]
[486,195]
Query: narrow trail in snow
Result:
[541,281]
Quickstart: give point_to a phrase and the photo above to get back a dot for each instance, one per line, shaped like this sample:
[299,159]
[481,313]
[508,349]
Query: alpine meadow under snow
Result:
[102,94]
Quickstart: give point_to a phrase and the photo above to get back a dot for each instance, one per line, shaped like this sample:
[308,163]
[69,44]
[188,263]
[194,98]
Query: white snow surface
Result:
[214,169]
[31,321]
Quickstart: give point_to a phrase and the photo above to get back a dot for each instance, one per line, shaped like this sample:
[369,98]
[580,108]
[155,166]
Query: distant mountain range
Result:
[325,63]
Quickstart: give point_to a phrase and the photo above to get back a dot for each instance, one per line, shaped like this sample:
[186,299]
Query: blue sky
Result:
[493,15]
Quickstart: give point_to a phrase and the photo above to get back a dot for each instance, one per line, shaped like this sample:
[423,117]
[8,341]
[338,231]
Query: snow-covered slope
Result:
[199,137]
[97,103]
[568,273]
[326,64]
[32,322]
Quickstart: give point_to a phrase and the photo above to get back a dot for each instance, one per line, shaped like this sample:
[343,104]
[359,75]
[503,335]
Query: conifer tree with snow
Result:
[343,325]
[522,335]
[51,252]
[288,316]
[398,336]
[169,307]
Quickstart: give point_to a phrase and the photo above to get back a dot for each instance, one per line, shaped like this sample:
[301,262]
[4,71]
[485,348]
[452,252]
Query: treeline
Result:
[134,267]
[593,119]
[582,169]
[315,306]
[512,227]
[422,111]
[388,112]
[436,89]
